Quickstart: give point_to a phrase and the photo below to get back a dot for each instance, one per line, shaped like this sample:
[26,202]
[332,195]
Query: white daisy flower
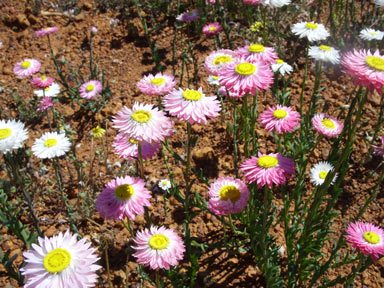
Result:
[311,30]
[12,135]
[320,171]
[281,67]
[371,34]
[324,53]
[165,184]
[276,3]
[213,80]
[379,3]
[51,145]
[51,91]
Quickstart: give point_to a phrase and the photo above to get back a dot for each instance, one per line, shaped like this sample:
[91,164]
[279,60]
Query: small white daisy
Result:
[51,145]
[324,53]
[276,3]
[281,67]
[51,91]
[12,135]
[371,34]
[213,80]
[320,171]
[311,30]
[165,184]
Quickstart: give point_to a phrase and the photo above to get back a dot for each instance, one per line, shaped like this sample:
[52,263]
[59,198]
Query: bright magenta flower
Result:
[253,2]
[46,31]
[90,89]
[258,52]
[282,119]
[26,68]
[159,84]
[328,126]
[212,28]
[45,103]
[379,150]
[217,60]
[128,148]
[42,82]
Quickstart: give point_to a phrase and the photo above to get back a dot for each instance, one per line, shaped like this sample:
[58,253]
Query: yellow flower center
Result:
[5,133]
[158,81]
[47,28]
[43,78]
[50,142]
[374,62]
[46,89]
[159,242]
[279,61]
[213,28]
[373,33]
[215,77]
[141,116]
[245,69]
[25,64]
[124,192]
[192,95]
[280,113]
[190,13]
[371,237]
[57,260]
[165,183]
[311,26]
[229,192]
[323,174]
[256,48]
[89,87]
[325,48]
[222,59]
[133,141]
[267,161]
[328,123]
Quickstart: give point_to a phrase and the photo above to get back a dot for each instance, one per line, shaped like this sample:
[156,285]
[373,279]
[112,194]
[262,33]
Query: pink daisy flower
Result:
[218,60]
[227,196]
[233,94]
[282,119]
[212,28]
[60,261]
[366,68]
[90,89]
[244,76]
[45,103]
[188,16]
[258,52]
[268,169]
[191,105]
[123,197]
[367,238]
[379,150]
[128,148]
[158,248]
[26,68]
[46,31]
[42,82]
[327,126]
[159,84]
[253,2]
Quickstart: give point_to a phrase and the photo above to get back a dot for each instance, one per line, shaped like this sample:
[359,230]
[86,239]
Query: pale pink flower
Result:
[188,16]
[212,28]
[282,119]
[328,126]
[159,84]
[61,262]
[227,196]
[253,2]
[42,82]
[244,76]
[123,197]
[45,103]
[94,30]
[191,105]
[233,94]
[367,238]
[268,169]
[217,60]
[128,148]
[26,68]
[90,89]
[258,52]
[46,31]
[379,150]
[158,248]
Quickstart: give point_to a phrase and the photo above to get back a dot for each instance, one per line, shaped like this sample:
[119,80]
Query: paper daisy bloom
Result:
[26,68]
[12,135]
[276,3]
[60,261]
[90,89]
[158,248]
[371,34]
[45,104]
[98,132]
[217,60]
[213,80]
[143,122]
[52,91]
[191,105]
[51,145]
[233,94]
[212,28]
[310,30]
[327,126]
[366,68]
[244,76]
[159,84]
[123,197]
[320,171]
[227,196]
[165,184]
[94,30]
[42,82]
[268,169]
[324,53]
[281,67]
[379,150]
[367,238]
[46,31]
[257,52]
[128,148]
[281,119]
[188,16]
[253,2]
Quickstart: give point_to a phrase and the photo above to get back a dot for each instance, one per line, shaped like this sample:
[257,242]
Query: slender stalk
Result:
[127,226]
[158,284]
[303,85]
[107,264]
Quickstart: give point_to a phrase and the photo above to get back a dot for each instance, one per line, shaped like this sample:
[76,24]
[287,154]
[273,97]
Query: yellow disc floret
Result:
[323,174]
[158,81]
[229,192]
[57,260]
[222,59]
[256,48]
[328,123]
[141,116]
[267,161]
[90,87]
[50,142]
[311,26]
[279,61]
[159,242]
[5,133]
[213,28]
[25,64]
[280,113]
[192,95]
[124,192]
[374,62]
[371,237]
[245,69]
[325,48]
